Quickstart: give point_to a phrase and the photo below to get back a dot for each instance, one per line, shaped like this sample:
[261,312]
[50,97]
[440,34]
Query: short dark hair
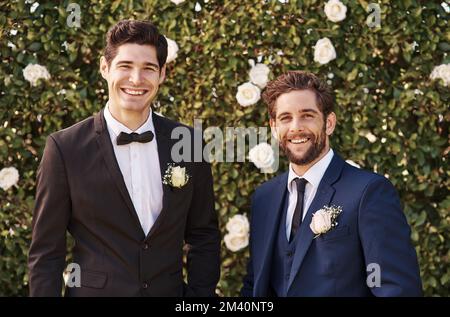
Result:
[137,32]
[299,80]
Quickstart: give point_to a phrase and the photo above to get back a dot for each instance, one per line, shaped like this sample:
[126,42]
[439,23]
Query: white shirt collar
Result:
[314,174]
[116,127]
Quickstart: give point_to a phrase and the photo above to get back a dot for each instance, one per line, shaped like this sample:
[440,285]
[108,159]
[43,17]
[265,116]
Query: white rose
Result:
[262,155]
[172,50]
[335,10]
[235,242]
[353,163]
[178,176]
[442,72]
[12,45]
[324,51]
[248,94]
[9,176]
[369,136]
[259,75]
[34,72]
[238,224]
[321,222]
[34,7]
[177,2]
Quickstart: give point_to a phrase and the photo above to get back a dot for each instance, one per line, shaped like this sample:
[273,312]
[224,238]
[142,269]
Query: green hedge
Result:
[381,82]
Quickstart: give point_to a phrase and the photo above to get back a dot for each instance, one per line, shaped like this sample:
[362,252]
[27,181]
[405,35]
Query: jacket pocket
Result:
[93,279]
[337,233]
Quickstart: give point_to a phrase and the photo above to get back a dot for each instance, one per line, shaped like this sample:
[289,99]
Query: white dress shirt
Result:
[139,164]
[313,176]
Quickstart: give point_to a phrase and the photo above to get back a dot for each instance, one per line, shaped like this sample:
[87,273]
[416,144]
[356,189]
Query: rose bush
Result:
[381,77]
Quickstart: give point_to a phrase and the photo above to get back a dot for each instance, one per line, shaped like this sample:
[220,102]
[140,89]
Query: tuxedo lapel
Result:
[106,148]
[324,195]
[164,144]
[273,214]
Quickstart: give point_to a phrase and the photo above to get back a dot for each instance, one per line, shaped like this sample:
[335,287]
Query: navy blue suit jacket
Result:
[371,229]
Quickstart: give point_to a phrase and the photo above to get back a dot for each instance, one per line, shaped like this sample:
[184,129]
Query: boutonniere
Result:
[324,219]
[175,176]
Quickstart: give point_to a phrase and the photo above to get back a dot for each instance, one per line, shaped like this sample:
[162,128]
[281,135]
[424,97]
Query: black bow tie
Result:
[125,138]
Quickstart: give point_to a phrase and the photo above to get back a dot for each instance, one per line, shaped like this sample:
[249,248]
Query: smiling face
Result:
[300,127]
[133,77]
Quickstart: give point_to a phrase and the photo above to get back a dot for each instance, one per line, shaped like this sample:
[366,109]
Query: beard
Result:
[313,152]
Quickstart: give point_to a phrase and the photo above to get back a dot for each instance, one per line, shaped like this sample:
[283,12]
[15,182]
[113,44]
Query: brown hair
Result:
[299,80]
[137,32]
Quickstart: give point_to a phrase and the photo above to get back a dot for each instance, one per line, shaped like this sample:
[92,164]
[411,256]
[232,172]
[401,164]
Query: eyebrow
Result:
[145,64]
[310,110]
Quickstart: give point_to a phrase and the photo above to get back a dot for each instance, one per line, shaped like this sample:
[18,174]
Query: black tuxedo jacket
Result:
[80,189]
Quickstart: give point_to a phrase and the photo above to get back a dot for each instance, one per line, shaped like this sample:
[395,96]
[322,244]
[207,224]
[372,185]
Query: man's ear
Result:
[330,123]
[162,75]
[273,128]
[103,67]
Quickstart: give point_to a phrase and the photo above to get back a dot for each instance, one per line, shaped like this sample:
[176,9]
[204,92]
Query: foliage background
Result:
[215,43]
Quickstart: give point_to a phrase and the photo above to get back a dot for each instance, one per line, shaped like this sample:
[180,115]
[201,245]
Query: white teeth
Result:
[298,141]
[134,92]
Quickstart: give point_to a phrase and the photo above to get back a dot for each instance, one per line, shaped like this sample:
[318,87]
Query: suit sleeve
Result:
[50,220]
[203,236]
[248,282]
[385,238]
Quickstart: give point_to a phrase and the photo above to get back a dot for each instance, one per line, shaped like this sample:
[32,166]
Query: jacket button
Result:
[144,285]
[145,246]
[289,254]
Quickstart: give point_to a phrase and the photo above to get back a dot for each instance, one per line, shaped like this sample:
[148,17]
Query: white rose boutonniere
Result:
[325,219]
[175,176]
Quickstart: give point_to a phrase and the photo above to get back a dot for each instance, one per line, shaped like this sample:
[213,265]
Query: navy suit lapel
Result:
[324,195]
[106,148]
[273,212]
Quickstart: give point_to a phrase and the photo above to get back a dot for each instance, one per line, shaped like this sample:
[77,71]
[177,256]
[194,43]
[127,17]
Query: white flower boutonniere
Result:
[325,219]
[175,176]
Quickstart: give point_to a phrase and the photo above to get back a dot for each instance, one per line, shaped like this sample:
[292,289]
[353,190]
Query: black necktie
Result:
[298,213]
[125,138]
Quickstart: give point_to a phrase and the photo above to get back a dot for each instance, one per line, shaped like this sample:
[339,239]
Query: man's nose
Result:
[135,77]
[296,125]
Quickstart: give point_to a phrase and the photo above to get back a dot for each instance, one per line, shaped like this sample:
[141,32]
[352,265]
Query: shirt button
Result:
[144,285]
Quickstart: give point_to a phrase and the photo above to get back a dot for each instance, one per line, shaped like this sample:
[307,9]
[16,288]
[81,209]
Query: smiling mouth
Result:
[134,92]
[298,140]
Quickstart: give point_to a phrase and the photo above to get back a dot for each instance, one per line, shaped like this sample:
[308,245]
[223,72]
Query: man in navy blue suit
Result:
[300,245]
